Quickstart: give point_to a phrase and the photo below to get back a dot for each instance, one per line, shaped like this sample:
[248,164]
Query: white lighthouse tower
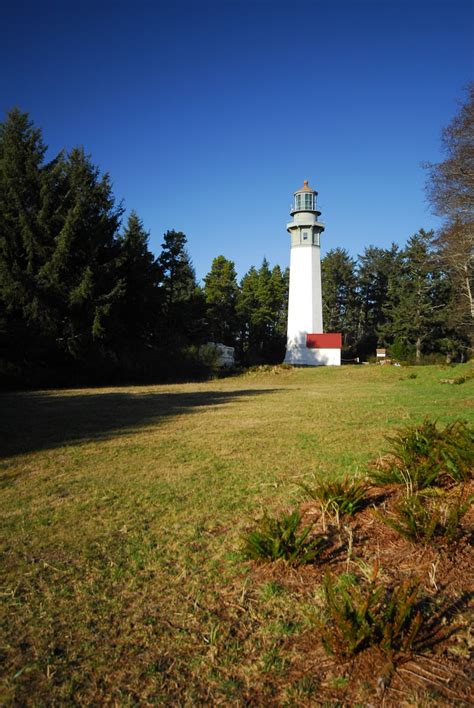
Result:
[306,344]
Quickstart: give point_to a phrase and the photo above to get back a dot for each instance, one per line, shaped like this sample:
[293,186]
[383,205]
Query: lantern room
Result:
[304,199]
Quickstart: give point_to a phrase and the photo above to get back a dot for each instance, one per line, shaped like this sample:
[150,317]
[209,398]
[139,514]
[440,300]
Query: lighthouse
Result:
[306,344]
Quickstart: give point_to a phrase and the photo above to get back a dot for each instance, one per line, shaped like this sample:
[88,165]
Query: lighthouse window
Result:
[305,236]
[298,201]
[308,201]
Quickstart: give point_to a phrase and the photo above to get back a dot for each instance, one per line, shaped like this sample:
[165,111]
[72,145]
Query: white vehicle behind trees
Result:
[225,356]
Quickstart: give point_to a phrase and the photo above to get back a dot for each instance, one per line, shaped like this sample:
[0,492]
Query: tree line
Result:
[401,298]
[83,299]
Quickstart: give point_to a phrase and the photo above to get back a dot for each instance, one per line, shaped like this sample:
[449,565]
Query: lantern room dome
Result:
[305,188]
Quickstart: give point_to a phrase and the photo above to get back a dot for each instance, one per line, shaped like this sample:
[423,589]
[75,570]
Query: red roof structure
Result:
[331,340]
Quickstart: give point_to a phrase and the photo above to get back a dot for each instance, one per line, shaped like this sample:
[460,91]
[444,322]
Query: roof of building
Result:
[328,340]
[305,188]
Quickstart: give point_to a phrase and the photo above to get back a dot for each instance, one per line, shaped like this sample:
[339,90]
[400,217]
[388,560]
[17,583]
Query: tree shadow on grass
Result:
[37,421]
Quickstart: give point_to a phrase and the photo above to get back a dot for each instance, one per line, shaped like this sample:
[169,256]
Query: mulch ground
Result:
[439,670]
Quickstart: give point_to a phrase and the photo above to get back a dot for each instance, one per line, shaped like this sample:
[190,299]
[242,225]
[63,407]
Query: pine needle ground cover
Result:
[122,514]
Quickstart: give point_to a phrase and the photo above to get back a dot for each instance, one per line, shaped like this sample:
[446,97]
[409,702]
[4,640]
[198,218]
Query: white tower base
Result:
[302,356]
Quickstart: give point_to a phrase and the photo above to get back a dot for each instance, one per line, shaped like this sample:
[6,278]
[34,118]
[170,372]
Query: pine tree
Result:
[262,307]
[183,301]
[416,299]
[340,300]
[376,267]
[221,291]
[280,281]
[25,321]
[81,274]
[140,308]
[247,305]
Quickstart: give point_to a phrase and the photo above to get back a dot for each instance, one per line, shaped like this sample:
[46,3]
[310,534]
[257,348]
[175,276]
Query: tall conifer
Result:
[221,291]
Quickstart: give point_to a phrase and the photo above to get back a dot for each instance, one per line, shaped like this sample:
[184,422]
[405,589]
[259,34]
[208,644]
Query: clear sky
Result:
[208,115]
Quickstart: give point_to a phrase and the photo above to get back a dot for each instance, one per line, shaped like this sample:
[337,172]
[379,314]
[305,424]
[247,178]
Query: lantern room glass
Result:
[304,201]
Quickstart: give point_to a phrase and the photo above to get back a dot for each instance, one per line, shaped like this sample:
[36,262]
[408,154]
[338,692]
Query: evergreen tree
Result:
[263,316]
[74,295]
[416,299]
[183,301]
[340,300]
[262,307]
[280,281]
[25,318]
[376,267]
[140,273]
[81,275]
[221,291]
[59,284]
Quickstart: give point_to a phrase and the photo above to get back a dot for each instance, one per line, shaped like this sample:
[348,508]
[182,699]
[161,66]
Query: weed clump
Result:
[276,538]
[344,496]
[368,614]
[268,369]
[458,380]
[421,518]
[423,455]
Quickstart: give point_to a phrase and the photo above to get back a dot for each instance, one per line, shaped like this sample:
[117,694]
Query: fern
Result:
[344,496]
[419,518]
[279,538]
[360,616]
[423,455]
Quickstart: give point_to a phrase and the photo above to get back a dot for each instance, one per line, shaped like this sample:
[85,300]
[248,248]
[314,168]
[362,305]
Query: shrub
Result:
[344,496]
[369,614]
[423,455]
[459,380]
[279,538]
[430,359]
[401,350]
[420,518]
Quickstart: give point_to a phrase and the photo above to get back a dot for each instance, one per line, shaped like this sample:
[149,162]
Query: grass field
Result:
[122,511]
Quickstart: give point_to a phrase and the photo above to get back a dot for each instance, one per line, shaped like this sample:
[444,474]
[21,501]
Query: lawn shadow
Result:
[35,421]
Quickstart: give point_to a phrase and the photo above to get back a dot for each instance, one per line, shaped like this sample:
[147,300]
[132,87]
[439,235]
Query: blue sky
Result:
[208,115]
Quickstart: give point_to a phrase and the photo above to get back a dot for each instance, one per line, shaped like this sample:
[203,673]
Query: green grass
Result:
[121,517]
